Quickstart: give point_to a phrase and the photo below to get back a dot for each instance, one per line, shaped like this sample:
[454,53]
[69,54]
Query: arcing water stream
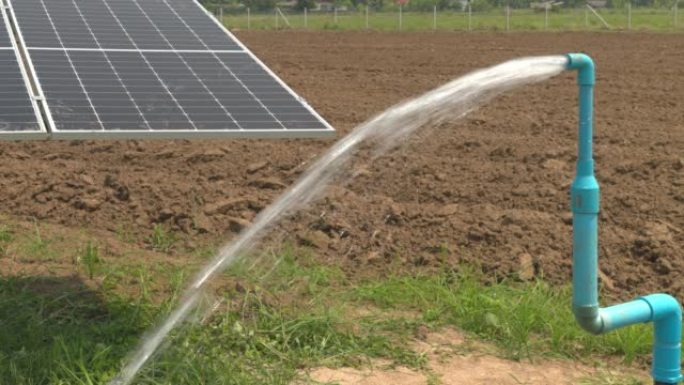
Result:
[448,102]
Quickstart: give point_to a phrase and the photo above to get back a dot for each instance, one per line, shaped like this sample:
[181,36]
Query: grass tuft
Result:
[89,257]
[6,237]
[161,239]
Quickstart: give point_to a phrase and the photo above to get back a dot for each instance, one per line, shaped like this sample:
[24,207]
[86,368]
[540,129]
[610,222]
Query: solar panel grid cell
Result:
[5,42]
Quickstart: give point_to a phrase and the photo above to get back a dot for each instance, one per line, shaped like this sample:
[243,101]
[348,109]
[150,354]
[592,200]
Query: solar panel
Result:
[18,112]
[160,68]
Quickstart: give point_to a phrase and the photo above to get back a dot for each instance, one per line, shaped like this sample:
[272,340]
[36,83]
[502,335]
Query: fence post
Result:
[676,14]
[367,23]
[434,17]
[401,18]
[275,12]
[586,19]
[306,18]
[335,15]
[470,17]
[249,19]
[629,15]
[221,14]
[508,18]
[546,16]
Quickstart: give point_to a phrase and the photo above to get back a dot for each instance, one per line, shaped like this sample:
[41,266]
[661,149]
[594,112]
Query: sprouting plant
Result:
[125,234]
[90,258]
[6,234]
[38,246]
[161,239]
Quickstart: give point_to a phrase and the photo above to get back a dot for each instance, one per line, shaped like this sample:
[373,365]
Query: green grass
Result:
[54,332]
[275,315]
[525,319]
[654,19]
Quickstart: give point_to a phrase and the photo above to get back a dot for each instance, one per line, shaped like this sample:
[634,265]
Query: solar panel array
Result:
[138,68]
[18,112]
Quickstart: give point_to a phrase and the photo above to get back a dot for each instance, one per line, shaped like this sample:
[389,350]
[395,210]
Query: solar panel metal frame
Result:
[285,133]
[42,132]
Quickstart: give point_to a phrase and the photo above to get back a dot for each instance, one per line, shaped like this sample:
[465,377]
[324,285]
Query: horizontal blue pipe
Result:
[661,309]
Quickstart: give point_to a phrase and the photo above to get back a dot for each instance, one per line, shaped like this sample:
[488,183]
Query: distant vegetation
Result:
[575,19]
[413,5]
[653,15]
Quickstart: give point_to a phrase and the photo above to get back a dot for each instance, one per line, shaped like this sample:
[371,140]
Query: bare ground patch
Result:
[453,359]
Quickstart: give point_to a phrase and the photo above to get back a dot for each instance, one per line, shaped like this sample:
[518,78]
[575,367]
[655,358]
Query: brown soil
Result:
[491,189]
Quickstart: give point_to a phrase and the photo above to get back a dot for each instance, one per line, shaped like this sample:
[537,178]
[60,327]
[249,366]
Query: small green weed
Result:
[162,239]
[125,234]
[38,247]
[6,236]
[89,257]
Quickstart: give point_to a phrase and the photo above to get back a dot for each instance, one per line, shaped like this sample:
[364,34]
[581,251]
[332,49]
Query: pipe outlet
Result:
[584,65]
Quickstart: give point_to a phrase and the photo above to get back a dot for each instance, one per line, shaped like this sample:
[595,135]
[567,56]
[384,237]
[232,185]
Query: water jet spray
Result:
[661,309]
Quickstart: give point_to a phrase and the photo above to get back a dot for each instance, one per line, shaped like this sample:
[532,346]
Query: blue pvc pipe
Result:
[661,309]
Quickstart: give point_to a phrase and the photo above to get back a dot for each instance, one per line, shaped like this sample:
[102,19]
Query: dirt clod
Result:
[237,224]
[316,238]
[202,223]
[225,205]
[525,267]
[268,183]
[254,167]
[89,204]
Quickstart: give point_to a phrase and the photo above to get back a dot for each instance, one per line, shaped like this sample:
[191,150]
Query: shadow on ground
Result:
[56,330]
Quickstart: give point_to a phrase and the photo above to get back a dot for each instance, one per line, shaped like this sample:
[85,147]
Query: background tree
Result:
[260,5]
[305,4]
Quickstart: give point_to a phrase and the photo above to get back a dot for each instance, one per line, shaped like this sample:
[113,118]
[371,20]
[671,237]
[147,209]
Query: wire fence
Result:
[500,19]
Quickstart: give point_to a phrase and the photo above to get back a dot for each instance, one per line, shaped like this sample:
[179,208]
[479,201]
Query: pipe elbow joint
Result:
[589,318]
[664,306]
[585,67]
[667,321]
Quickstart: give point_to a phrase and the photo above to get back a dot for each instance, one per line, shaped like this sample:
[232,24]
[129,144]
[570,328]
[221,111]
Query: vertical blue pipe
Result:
[585,198]
[661,309]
